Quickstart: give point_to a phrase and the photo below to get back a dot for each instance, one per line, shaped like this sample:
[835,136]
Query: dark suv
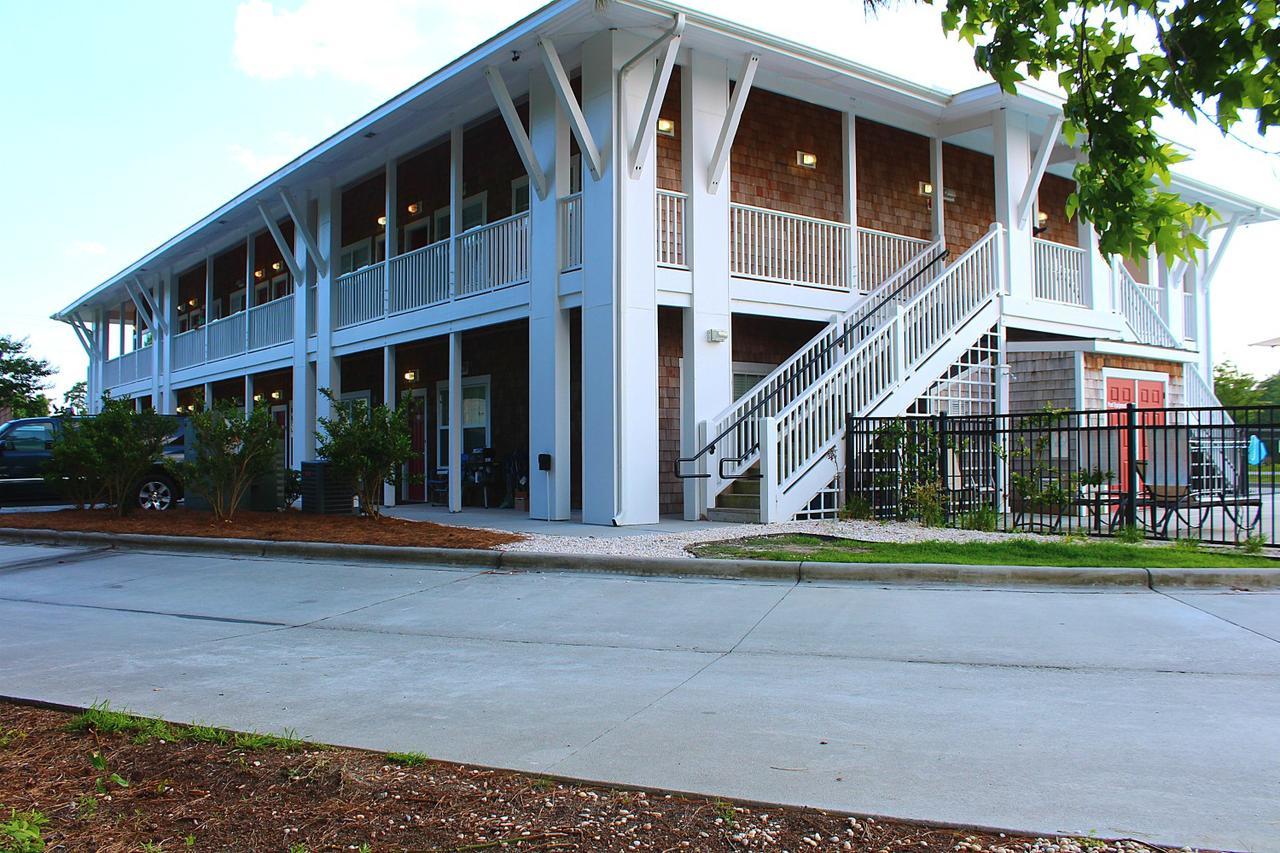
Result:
[25,446]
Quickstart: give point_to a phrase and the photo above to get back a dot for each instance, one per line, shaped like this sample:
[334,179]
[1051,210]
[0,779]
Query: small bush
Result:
[229,451]
[982,518]
[368,445]
[75,468]
[292,486]
[407,759]
[858,508]
[1132,534]
[22,832]
[1254,544]
[925,503]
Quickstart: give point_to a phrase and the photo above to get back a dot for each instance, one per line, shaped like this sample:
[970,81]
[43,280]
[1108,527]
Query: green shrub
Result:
[21,833]
[982,518]
[1130,533]
[102,458]
[228,451]
[368,445]
[925,504]
[407,759]
[857,507]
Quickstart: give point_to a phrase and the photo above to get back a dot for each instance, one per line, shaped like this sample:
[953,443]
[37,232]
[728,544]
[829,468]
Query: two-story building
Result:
[613,238]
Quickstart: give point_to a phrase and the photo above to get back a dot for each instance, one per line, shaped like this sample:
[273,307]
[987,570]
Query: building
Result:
[609,239]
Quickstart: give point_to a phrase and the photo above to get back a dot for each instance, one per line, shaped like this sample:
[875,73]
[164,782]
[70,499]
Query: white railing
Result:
[569,213]
[1144,318]
[226,336]
[420,278]
[111,372]
[1189,315]
[788,249]
[271,323]
[1059,272]
[669,226]
[808,427]
[1197,393]
[361,295]
[188,349]
[494,255]
[788,380]
[881,254]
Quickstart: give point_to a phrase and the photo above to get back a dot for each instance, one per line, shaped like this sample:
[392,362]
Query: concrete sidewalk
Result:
[1128,713]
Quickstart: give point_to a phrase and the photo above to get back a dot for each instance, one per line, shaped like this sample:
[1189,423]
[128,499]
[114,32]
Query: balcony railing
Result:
[788,249]
[670,228]
[188,349]
[1059,272]
[361,295]
[570,216]
[1143,315]
[271,323]
[881,254]
[494,255]
[420,278]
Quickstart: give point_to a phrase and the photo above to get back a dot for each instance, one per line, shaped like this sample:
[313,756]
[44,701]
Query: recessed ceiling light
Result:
[370,134]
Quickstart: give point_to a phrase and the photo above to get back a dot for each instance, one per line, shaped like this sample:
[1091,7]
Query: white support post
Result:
[328,230]
[207,402]
[295,263]
[769,471]
[938,219]
[248,285]
[456,140]
[248,393]
[455,422]
[707,386]
[302,403]
[550,425]
[1095,269]
[389,399]
[1028,201]
[507,109]
[208,303]
[577,120]
[849,139]
[1012,170]
[729,128]
[390,234]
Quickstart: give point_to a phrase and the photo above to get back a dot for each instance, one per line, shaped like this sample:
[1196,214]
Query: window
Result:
[520,195]
[237,301]
[746,375]
[418,234]
[475,212]
[475,417]
[29,437]
[575,173]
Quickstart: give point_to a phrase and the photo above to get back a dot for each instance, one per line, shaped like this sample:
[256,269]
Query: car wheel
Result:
[156,492]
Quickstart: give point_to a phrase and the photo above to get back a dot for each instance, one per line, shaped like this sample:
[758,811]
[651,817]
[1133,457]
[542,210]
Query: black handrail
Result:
[710,447]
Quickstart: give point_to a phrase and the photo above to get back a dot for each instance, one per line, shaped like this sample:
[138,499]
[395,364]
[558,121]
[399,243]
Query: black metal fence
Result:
[1203,473]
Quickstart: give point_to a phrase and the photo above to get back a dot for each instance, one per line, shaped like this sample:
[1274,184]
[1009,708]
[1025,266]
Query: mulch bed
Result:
[287,526]
[195,795]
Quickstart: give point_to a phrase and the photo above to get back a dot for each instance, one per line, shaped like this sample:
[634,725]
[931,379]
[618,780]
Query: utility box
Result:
[324,492]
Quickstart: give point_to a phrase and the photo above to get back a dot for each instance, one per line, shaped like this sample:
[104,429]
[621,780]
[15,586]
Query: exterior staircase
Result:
[878,358]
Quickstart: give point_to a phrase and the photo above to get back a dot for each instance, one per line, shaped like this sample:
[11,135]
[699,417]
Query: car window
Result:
[27,437]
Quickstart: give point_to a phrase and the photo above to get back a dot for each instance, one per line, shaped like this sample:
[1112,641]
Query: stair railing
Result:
[739,424]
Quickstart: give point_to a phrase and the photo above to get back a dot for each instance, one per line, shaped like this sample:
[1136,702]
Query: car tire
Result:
[156,492]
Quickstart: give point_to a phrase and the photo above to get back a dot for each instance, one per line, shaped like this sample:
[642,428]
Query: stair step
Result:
[745,486]
[737,516]
[739,501]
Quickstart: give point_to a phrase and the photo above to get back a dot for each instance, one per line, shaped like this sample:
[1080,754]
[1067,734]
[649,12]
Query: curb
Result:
[906,574]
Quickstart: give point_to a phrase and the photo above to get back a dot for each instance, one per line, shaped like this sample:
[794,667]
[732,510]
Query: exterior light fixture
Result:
[277,394]
[257,398]
[666,127]
[382,220]
[926,188]
[411,376]
[193,302]
[717,336]
[414,208]
[1042,224]
[806,159]
[258,273]
[277,266]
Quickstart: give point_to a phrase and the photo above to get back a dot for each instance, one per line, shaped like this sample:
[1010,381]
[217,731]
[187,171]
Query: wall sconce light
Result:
[193,302]
[1042,224]
[277,394]
[806,160]
[257,398]
[277,266]
[382,220]
[414,208]
[258,273]
[926,189]
[411,376]
[666,127]
[717,336]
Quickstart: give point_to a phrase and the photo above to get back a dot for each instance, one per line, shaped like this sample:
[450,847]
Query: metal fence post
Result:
[1131,464]
[944,492]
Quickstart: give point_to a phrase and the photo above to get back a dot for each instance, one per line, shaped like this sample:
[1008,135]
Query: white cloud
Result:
[85,247]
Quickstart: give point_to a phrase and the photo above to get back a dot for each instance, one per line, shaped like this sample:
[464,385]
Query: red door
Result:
[416,489]
[1146,394]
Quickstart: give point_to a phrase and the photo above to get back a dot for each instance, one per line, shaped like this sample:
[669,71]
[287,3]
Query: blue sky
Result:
[127,121]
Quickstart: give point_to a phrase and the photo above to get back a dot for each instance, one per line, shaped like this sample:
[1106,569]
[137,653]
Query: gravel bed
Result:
[674,544]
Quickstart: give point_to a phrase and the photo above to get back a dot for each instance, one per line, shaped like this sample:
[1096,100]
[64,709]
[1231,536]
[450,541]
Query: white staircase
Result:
[894,360]
[1143,316]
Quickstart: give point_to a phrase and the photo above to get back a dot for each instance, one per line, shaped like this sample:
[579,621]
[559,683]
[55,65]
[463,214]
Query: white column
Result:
[158,344]
[392,244]
[455,421]
[328,236]
[208,395]
[619,310]
[95,365]
[549,418]
[708,367]
[938,219]
[169,290]
[1095,270]
[302,405]
[1012,171]
[455,202]
[389,388]
[248,393]
[849,139]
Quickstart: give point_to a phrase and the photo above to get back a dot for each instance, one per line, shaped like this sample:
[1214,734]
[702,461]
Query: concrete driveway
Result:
[1126,713]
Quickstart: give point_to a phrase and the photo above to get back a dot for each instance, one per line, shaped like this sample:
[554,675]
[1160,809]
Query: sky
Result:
[128,121]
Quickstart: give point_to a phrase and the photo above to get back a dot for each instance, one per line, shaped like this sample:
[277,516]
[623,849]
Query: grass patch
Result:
[1014,551]
[407,759]
[100,717]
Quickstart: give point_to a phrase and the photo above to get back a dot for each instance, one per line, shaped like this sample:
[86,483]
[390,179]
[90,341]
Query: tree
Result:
[368,445]
[230,450]
[1234,387]
[22,379]
[75,399]
[129,444]
[1207,59]
[75,468]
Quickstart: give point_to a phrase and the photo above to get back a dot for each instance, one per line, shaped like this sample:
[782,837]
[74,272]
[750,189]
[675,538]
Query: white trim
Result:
[1135,375]
[657,91]
[507,109]
[1038,167]
[564,93]
[442,425]
[729,130]
[300,228]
